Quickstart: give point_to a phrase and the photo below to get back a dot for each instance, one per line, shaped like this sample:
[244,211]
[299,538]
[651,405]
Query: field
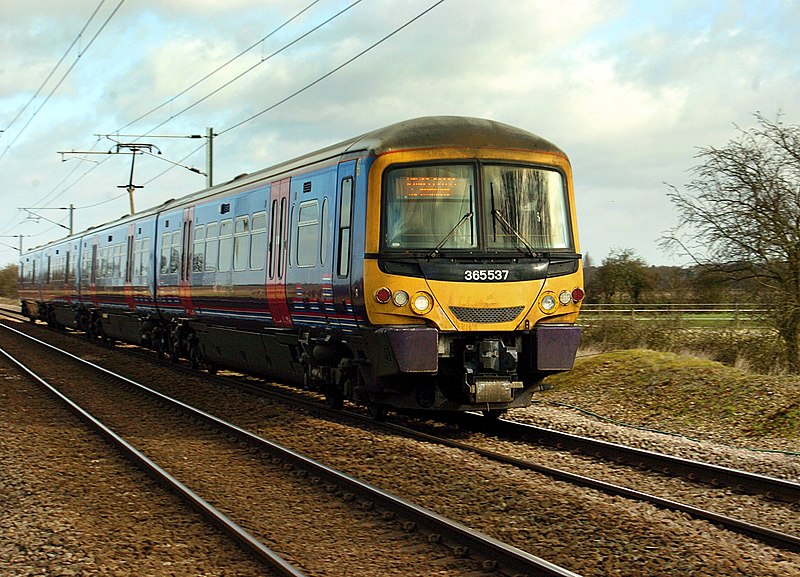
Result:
[706,316]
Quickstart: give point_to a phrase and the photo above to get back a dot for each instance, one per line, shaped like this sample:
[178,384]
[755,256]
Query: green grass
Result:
[681,393]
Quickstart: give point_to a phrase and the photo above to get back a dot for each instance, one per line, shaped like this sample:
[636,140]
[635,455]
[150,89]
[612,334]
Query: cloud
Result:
[627,89]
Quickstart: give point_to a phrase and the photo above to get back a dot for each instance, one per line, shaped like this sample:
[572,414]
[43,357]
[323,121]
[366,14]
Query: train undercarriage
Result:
[388,368]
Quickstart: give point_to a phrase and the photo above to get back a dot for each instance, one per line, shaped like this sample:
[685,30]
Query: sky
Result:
[629,90]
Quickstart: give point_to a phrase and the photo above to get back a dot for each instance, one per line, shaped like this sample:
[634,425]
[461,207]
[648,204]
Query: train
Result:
[431,265]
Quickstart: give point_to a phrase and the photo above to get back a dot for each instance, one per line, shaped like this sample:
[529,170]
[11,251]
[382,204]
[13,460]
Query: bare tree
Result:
[740,216]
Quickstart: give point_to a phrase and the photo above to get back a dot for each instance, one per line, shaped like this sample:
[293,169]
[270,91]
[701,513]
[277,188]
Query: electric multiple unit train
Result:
[430,265]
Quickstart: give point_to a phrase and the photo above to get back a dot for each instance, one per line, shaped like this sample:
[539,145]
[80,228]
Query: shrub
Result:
[760,351]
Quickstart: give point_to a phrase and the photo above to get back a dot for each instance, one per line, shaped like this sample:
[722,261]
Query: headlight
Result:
[565,297]
[400,298]
[548,303]
[422,303]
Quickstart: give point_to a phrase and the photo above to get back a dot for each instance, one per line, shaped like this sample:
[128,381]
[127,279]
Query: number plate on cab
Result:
[490,275]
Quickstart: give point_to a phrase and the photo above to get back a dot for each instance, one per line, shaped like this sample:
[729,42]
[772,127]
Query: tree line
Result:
[8,281]
[624,277]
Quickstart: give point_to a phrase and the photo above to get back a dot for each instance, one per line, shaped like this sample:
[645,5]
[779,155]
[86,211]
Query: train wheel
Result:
[493,414]
[377,411]
[334,397]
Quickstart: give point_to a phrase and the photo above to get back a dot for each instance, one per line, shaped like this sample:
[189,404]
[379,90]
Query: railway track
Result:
[772,537]
[480,551]
[742,481]
[695,471]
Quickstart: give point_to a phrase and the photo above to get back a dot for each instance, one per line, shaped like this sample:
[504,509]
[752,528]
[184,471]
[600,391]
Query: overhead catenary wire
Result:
[44,199]
[48,198]
[254,66]
[58,64]
[307,86]
[210,74]
[218,68]
[331,72]
[276,104]
[61,80]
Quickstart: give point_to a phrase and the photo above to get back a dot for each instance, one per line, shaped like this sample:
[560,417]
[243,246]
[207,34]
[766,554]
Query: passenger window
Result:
[166,245]
[241,243]
[145,260]
[308,237]
[198,252]
[225,245]
[175,255]
[212,246]
[258,241]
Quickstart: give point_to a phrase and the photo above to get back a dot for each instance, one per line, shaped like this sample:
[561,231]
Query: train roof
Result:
[440,131]
[424,132]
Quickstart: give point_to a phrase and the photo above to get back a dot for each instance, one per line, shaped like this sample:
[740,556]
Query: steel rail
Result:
[256,548]
[766,535]
[693,470]
[715,475]
[464,541]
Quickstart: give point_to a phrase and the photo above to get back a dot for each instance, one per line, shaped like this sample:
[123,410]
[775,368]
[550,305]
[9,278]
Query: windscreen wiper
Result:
[435,251]
[496,214]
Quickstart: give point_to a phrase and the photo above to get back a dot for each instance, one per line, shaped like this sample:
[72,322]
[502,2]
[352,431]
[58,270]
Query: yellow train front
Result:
[472,274]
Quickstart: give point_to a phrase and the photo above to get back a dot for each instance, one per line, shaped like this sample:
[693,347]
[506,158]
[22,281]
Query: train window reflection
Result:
[524,208]
[429,206]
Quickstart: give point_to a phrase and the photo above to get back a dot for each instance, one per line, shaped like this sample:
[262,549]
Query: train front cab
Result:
[473,279]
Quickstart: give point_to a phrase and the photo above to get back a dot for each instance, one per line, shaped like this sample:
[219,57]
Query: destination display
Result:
[421,187]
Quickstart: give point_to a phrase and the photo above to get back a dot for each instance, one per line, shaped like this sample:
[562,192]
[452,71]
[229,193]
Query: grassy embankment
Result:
[685,394]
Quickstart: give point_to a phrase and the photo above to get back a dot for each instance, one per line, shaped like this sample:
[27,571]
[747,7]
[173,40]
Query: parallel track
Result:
[503,558]
[714,475]
[750,480]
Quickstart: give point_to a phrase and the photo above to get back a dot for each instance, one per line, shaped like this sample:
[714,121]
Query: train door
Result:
[93,274]
[185,281]
[129,298]
[276,254]
[342,258]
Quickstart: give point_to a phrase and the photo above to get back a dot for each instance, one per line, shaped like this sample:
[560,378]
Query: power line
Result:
[285,47]
[219,68]
[64,77]
[328,74]
[264,59]
[49,76]
[307,86]
[49,198]
[272,107]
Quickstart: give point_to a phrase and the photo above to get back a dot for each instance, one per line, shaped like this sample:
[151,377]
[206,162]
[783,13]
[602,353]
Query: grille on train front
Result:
[486,315]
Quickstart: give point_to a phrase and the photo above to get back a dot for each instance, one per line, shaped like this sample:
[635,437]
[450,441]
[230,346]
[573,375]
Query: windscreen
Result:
[430,205]
[525,205]
[516,208]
